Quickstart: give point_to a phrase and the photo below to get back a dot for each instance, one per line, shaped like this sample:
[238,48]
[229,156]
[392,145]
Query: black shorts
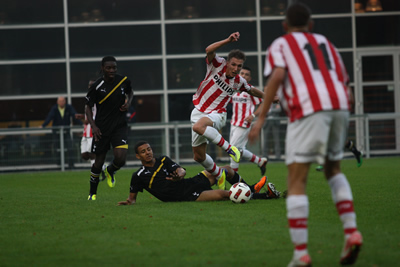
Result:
[194,186]
[118,138]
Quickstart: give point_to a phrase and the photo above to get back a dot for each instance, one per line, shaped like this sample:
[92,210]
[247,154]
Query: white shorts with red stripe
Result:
[218,119]
[312,138]
[239,136]
[86,145]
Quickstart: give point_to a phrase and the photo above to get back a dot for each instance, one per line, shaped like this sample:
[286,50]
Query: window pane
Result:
[382,135]
[144,74]
[180,107]
[116,10]
[372,31]
[117,41]
[194,38]
[31,12]
[377,68]
[348,63]
[329,7]
[337,30]
[33,79]
[378,99]
[272,7]
[185,73]
[32,44]
[183,9]
[270,30]
[148,108]
[24,110]
[380,5]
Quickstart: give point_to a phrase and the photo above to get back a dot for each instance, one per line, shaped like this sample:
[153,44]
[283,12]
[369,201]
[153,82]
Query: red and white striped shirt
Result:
[87,128]
[216,90]
[243,105]
[316,76]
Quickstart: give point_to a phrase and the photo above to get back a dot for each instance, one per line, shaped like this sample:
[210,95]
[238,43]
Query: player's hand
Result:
[96,133]
[234,37]
[124,107]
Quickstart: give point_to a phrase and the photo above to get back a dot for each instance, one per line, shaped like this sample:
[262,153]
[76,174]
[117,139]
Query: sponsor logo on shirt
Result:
[224,86]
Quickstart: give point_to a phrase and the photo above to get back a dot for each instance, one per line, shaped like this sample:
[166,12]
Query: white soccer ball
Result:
[240,193]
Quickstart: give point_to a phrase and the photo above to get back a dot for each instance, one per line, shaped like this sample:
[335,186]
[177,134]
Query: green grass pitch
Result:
[46,220]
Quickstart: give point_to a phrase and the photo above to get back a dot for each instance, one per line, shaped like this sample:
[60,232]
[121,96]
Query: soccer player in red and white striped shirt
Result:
[210,100]
[308,73]
[243,112]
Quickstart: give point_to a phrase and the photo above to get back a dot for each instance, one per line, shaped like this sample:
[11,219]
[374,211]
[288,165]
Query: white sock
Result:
[297,213]
[214,136]
[343,199]
[211,167]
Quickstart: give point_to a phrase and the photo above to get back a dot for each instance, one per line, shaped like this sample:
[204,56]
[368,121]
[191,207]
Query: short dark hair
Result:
[236,53]
[138,144]
[246,68]
[298,14]
[108,59]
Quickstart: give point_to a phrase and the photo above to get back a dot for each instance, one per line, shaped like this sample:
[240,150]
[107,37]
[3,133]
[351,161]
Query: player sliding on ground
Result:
[208,117]
[164,179]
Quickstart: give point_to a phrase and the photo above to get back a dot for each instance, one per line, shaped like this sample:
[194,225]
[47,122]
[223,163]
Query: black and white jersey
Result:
[108,98]
[153,180]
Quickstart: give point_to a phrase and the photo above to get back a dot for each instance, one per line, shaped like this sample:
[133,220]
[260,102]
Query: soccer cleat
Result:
[103,175]
[258,186]
[222,180]
[359,157]
[110,178]
[304,261]
[272,192]
[234,153]
[263,165]
[92,197]
[351,248]
[319,168]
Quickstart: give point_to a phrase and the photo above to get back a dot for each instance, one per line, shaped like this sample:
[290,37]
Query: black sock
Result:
[259,196]
[94,180]
[112,168]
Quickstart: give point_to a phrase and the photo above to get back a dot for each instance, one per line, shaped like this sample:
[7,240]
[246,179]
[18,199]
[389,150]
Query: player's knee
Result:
[85,156]
[199,158]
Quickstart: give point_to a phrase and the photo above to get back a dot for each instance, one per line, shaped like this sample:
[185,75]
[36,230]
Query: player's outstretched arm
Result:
[210,50]
[129,201]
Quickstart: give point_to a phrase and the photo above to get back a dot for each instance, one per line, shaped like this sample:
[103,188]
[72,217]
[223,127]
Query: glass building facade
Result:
[52,48]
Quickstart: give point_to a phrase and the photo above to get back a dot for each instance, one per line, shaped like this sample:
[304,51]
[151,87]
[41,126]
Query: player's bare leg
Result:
[213,195]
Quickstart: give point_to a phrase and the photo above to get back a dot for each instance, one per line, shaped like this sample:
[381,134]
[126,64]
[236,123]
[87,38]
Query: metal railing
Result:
[58,148]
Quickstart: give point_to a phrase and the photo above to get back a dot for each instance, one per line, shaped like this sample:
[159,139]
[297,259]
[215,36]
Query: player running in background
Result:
[309,74]
[243,113]
[164,179]
[352,147]
[222,80]
[112,94]
[87,137]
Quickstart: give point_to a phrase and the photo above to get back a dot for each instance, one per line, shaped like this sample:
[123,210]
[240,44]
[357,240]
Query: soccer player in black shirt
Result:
[164,179]
[112,94]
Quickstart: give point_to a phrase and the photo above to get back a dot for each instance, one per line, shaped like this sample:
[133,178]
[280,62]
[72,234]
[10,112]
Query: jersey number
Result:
[321,47]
